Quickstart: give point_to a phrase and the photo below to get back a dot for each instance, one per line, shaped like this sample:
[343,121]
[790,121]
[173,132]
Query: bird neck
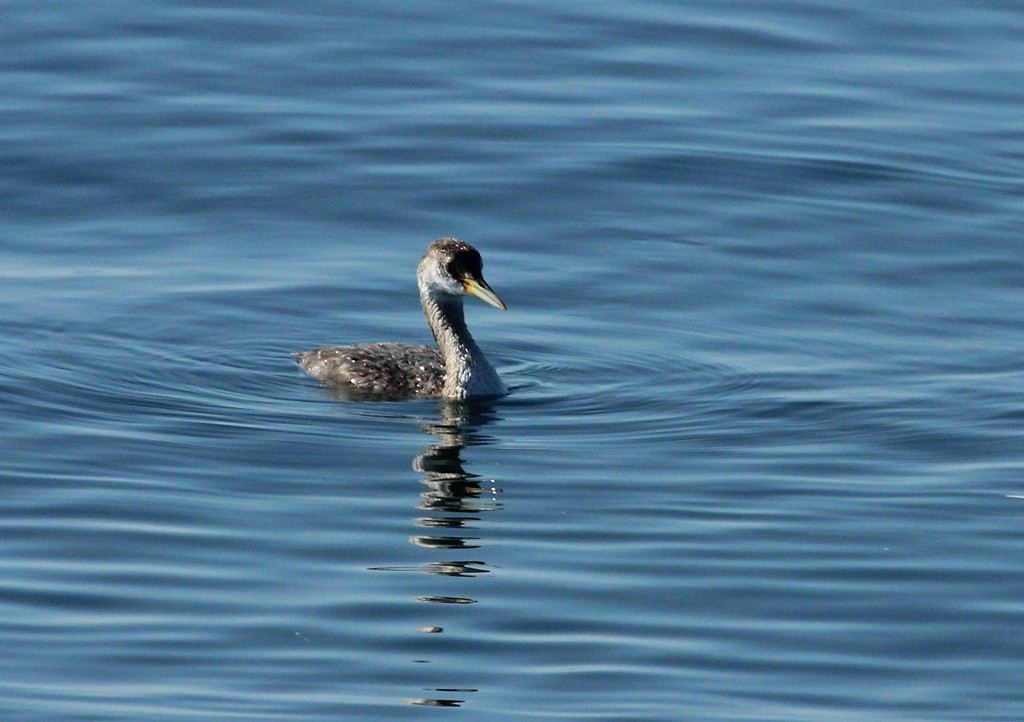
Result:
[467,370]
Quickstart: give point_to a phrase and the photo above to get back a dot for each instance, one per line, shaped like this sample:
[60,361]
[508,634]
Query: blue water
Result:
[763,458]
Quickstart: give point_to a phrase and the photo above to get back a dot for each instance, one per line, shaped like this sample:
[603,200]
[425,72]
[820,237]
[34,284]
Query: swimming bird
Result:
[456,369]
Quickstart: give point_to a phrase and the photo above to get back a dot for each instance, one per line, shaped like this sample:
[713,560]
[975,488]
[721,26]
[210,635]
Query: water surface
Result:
[762,455]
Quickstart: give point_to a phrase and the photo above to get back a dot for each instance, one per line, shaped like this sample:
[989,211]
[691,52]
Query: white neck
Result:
[467,370]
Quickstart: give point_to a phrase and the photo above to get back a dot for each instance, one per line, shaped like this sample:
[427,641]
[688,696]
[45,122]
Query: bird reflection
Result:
[435,702]
[450,506]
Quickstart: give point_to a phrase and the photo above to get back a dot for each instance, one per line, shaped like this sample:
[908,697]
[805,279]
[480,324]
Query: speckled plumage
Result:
[378,370]
[456,369]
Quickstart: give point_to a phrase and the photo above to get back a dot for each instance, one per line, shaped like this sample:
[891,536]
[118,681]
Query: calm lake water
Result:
[763,458]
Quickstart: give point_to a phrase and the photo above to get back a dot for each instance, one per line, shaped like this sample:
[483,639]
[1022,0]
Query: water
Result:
[762,459]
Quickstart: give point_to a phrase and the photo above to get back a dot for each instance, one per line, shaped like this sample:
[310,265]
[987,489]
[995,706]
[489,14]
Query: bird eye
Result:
[472,264]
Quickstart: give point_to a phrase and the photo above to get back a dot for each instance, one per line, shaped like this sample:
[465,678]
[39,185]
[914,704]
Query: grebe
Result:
[456,369]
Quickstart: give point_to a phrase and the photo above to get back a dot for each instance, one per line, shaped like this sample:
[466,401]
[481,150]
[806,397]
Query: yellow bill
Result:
[481,290]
